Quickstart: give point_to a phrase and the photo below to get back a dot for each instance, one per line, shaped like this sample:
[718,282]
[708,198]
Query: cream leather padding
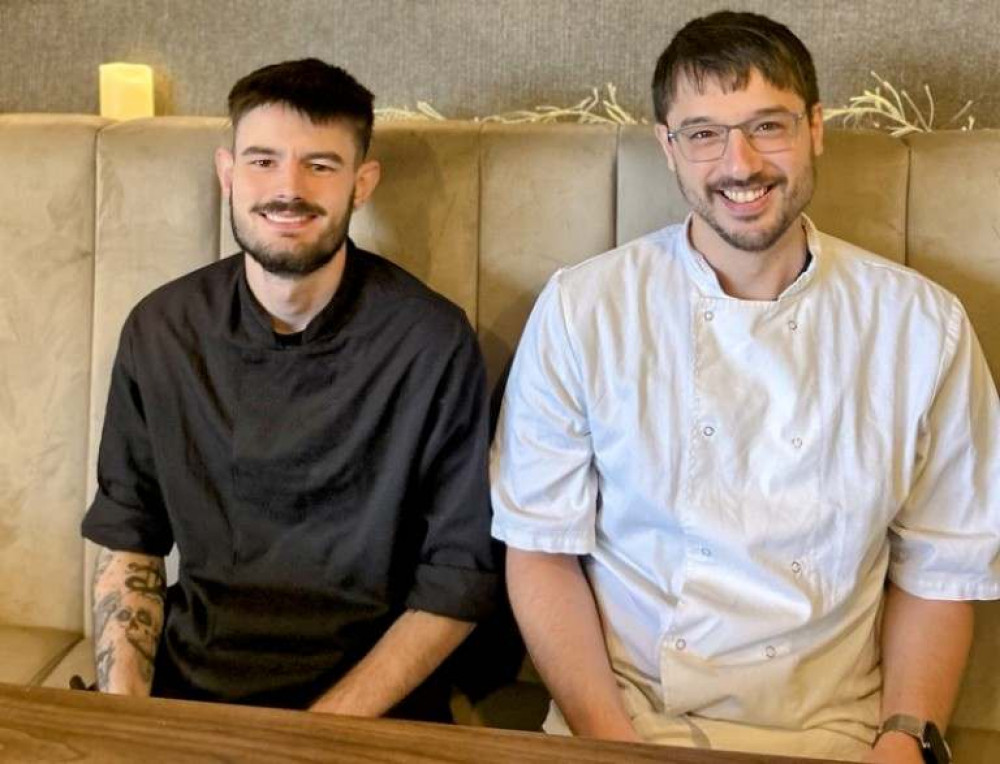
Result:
[46,290]
[79,661]
[547,200]
[862,179]
[953,232]
[28,655]
[424,215]
[954,238]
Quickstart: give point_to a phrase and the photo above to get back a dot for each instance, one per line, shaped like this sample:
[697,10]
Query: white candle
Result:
[126,91]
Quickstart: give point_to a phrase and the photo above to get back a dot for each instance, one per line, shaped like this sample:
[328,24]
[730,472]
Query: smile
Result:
[286,217]
[744,195]
[286,222]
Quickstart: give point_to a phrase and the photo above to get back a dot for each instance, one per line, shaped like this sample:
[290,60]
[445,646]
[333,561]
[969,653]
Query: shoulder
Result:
[624,269]
[891,286]
[396,295]
[609,288]
[624,265]
[189,298]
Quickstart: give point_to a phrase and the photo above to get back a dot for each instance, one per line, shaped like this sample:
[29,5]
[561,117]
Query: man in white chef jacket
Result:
[748,474]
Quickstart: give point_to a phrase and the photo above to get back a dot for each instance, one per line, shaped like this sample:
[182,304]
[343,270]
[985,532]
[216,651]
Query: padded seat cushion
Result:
[28,655]
[79,660]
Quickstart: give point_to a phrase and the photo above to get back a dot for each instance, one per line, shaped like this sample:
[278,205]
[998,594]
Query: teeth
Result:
[284,217]
[744,195]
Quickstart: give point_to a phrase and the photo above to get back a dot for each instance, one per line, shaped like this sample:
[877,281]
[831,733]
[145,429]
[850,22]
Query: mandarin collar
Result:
[256,321]
[707,281]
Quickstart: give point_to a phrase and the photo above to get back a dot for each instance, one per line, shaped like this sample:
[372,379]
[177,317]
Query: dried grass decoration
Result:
[595,109]
[895,112]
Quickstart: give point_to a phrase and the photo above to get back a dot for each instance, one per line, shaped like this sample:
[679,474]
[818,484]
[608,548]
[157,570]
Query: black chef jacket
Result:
[315,490]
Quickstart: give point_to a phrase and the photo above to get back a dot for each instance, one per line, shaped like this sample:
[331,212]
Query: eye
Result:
[705,134]
[770,127]
[321,168]
[262,162]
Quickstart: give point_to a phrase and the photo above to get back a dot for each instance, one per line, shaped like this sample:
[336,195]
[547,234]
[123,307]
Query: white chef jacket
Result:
[740,476]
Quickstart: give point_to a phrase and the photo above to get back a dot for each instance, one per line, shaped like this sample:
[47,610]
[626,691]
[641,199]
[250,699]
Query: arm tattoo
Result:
[143,634]
[130,610]
[105,662]
[146,580]
[103,612]
[103,561]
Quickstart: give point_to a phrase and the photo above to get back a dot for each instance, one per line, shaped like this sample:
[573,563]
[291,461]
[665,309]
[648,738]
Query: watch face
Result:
[936,750]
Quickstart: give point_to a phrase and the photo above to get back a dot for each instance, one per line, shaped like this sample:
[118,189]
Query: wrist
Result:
[903,747]
[911,738]
[607,725]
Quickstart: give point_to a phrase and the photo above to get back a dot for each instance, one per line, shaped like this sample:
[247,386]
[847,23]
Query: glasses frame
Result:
[672,135]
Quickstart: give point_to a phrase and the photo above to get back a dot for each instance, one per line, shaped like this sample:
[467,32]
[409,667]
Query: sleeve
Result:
[456,574]
[544,484]
[946,539]
[127,513]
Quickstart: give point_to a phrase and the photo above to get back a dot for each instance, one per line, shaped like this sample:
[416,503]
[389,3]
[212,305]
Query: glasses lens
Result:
[703,143]
[772,133]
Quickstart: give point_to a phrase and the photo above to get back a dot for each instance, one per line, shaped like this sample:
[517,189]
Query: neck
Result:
[759,275]
[293,302]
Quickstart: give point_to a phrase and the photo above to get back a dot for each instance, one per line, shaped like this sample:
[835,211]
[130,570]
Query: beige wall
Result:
[471,57]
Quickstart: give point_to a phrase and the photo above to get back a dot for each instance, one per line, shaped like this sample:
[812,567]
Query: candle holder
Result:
[126,91]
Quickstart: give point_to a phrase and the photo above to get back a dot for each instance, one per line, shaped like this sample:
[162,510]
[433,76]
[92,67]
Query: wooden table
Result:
[44,725]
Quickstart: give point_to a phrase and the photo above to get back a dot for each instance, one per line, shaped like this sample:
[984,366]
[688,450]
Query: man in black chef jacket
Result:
[307,422]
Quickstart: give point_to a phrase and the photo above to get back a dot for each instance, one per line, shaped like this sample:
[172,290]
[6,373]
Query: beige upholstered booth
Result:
[94,215]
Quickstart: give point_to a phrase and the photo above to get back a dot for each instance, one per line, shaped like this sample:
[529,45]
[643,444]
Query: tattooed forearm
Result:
[129,592]
[146,580]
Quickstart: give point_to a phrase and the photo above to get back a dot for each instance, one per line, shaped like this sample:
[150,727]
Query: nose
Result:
[742,160]
[289,182]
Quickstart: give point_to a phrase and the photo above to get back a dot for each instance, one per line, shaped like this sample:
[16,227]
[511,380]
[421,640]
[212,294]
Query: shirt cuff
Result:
[122,529]
[553,542]
[459,593]
[944,586]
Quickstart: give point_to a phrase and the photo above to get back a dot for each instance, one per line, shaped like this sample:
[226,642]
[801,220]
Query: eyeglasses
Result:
[707,143]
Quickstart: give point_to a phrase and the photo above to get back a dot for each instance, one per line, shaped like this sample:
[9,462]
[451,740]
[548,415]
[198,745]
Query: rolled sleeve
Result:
[128,512]
[543,482]
[946,539]
[461,593]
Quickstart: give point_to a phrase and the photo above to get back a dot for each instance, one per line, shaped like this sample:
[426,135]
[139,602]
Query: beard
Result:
[797,196]
[297,260]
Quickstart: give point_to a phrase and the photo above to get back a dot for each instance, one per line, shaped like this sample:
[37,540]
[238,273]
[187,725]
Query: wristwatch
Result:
[932,744]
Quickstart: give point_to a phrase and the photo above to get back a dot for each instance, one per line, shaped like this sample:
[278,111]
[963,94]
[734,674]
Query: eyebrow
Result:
[258,150]
[331,156]
[756,115]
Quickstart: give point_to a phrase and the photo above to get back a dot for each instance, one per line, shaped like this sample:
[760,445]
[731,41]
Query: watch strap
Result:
[932,745]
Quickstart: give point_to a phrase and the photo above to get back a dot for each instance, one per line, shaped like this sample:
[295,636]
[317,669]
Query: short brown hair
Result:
[320,91]
[728,47]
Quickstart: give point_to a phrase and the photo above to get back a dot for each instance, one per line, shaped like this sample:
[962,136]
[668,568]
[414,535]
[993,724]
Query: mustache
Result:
[294,207]
[759,179]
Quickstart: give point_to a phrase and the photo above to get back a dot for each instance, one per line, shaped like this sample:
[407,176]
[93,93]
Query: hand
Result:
[895,748]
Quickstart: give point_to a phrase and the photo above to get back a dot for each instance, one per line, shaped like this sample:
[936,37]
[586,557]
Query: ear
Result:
[667,146]
[224,169]
[365,179]
[816,128]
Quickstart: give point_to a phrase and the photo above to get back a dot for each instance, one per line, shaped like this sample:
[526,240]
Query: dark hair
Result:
[727,47]
[321,92]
